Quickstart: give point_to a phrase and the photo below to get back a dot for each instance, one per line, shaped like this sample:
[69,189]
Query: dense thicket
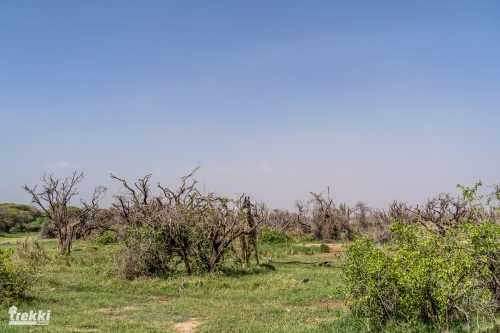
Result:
[177,226]
[19,217]
[442,265]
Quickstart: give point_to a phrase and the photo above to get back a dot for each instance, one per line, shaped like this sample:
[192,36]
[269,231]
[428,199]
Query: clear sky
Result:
[380,100]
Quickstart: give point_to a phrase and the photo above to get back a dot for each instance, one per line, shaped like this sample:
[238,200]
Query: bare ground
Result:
[188,326]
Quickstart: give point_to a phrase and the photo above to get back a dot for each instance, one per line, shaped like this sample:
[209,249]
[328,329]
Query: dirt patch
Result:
[188,326]
[130,307]
[104,309]
[113,316]
[334,248]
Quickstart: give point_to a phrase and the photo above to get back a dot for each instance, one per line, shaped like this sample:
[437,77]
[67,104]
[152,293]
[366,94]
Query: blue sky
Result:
[380,100]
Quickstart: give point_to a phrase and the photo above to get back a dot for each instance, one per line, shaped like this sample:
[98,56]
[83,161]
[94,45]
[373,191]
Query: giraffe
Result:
[66,236]
[248,224]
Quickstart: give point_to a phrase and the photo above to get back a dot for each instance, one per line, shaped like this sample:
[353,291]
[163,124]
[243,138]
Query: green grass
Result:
[85,295]
[7,240]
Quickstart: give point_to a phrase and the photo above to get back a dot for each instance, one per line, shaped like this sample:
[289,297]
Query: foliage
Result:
[273,236]
[307,238]
[19,217]
[108,237]
[32,250]
[85,293]
[323,248]
[425,276]
[20,270]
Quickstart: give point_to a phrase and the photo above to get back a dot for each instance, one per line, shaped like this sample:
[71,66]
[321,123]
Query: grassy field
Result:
[84,294]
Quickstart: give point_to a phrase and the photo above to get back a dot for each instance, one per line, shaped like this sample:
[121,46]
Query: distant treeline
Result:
[19,217]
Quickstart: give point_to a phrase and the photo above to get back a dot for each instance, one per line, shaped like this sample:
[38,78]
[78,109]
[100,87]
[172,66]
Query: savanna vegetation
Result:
[186,260]
[19,217]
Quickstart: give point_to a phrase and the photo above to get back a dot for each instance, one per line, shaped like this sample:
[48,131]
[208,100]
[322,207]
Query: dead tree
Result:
[301,217]
[443,212]
[185,223]
[331,221]
[361,211]
[54,200]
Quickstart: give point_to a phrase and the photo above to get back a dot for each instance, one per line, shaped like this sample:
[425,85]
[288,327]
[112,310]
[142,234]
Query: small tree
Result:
[54,200]
[361,211]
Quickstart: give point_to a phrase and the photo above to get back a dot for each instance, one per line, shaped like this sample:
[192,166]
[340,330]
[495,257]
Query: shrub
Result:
[32,250]
[421,278]
[185,226]
[323,248]
[19,270]
[273,236]
[306,238]
[109,237]
[17,217]
[443,276]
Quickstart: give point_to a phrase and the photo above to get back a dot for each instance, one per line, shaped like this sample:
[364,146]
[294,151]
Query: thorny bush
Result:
[20,269]
[443,276]
[183,226]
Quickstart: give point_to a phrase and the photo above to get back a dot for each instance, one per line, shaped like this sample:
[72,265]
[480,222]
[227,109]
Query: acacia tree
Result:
[54,200]
[197,228]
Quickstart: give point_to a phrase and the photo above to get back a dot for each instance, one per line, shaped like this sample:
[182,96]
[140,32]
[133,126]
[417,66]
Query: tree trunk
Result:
[186,263]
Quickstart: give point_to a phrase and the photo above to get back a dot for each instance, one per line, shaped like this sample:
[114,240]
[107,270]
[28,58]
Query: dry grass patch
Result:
[104,309]
[334,248]
[130,307]
[188,326]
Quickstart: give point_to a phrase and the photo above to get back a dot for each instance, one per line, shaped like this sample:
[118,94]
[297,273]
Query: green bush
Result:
[32,251]
[273,236]
[443,277]
[19,270]
[423,277]
[307,238]
[323,248]
[109,237]
[18,217]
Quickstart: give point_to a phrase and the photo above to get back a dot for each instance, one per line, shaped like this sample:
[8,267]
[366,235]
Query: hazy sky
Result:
[380,100]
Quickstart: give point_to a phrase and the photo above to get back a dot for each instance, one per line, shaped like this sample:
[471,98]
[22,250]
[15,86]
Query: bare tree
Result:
[331,221]
[196,227]
[362,211]
[54,200]
[443,212]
